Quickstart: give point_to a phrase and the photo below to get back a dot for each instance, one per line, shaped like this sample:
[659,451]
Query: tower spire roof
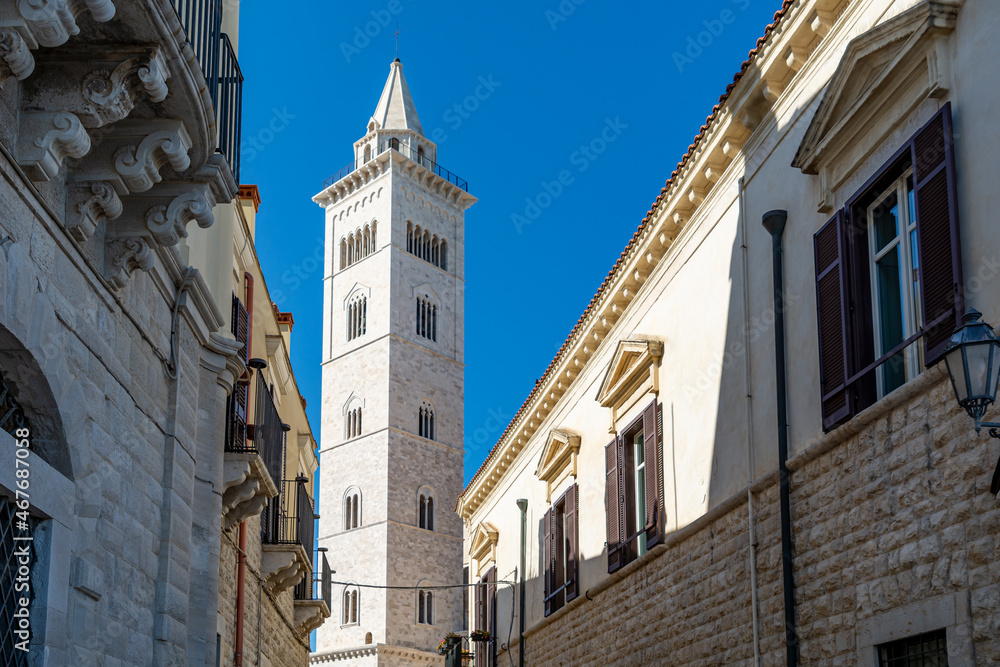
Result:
[395,110]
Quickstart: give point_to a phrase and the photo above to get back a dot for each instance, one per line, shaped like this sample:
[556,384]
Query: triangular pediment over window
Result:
[484,541]
[901,61]
[560,451]
[633,364]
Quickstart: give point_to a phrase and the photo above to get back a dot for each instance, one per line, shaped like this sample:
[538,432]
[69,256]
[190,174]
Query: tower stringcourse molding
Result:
[394,331]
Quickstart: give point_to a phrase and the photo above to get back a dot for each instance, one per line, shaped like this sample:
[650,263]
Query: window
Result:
[561,527]
[351,605]
[425,421]
[889,274]
[426,318]
[352,508]
[425,607]
[352,425]
[926,650]
[633,489]
[465,598]
[428,247]
[357,317]
[368,638]
[420,156]
[892,239]
[368,153]
[394,144]
[425,510]
[358,244]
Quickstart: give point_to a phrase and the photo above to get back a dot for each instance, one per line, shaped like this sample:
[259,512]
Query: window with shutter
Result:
[548,558]
[613,503]
[236,404]
[572,532]
[561,538]
[651,473]
[888,274]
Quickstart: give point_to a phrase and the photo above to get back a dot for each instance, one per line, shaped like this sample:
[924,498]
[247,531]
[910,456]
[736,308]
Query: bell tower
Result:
[393,391]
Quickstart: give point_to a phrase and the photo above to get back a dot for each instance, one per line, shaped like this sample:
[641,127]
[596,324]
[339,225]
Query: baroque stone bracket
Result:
[139,166]
[110,96]
[53,22]
[122,256]
[15,56]
[246,487]
[283,566]
[88,204]
[57,136]
[309,615]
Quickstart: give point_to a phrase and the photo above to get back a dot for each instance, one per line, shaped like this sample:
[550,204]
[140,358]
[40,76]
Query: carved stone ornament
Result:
[15,56]
[89,204]
[169,223]
[139,166]
[57,136]
[110,96]
[123,256]
[53,22]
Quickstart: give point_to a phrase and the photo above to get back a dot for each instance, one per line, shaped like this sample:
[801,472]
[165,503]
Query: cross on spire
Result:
[396,35]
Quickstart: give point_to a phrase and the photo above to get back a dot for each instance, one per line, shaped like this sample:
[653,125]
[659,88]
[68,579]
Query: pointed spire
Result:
[395,110]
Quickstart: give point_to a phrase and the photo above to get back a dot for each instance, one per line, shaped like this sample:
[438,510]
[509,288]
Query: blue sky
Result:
[566,118]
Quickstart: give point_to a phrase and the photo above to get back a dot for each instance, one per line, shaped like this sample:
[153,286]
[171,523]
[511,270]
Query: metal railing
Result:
[236,404]
[406,151]
[268,435]
[213,50]
[202,21]
[229,106]
[289,517]
[319,584]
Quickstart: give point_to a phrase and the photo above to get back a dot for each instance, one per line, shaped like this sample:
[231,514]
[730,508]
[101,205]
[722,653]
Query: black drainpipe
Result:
[774,223]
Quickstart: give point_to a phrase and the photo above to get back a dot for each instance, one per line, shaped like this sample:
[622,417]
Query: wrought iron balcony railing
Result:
[318,586]
[405,150]
[236,404]
[289,517]
[202,21]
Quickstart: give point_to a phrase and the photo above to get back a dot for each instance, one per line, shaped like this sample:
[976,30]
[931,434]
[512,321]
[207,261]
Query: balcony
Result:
[252,453]
[312,596]
[287,529]
[407,152]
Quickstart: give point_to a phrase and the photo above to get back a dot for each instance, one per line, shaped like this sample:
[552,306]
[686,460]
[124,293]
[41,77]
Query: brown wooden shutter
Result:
[480,650]
[491,602]
[832,311]
[651,445]
[938,241]
[613,505]
[572,544]
[549,560]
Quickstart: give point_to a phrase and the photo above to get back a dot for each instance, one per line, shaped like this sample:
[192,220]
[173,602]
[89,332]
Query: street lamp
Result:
[974,365]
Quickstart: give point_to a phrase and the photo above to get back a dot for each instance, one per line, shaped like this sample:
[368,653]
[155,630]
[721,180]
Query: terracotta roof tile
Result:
[778,15]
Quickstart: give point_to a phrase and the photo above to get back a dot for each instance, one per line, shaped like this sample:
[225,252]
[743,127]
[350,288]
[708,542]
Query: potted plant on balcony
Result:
[480,636]
[451,639]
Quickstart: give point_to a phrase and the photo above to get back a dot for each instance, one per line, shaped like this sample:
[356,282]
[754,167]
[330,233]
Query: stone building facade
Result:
[649,454]
[392,392]
[119,127]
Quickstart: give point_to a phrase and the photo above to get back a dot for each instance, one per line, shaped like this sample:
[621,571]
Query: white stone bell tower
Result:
[393,391]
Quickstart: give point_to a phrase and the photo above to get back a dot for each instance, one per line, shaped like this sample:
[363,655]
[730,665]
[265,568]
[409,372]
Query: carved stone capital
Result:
[168,224]
[15,56]
[122,256]
[283,566]
[139,166]
[87,205]
[47,139]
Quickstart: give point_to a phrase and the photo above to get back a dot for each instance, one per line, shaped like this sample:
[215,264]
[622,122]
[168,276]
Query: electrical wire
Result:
[512,584]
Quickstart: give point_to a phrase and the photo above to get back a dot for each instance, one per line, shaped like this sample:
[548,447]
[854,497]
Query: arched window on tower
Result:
[425,425]
[352,508]
[425,605]
[394,144]
[352,423]
[425,508]
[409,236]
[343,253]
[420,156]
[426,325]
[351,605]
[357,317]
[443,253]
[368,152]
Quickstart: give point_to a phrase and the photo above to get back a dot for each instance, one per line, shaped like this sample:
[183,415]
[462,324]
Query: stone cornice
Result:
[782,52]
